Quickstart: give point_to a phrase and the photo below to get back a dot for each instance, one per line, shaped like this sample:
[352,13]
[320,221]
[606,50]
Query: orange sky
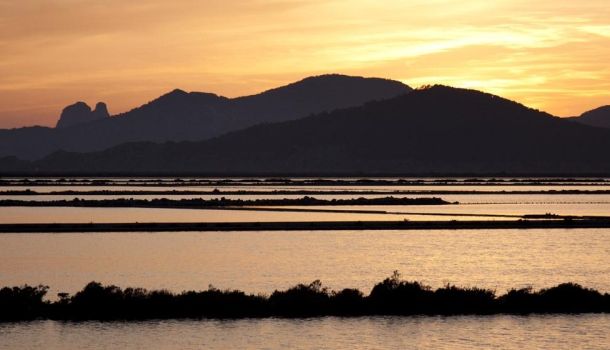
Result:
[548,54]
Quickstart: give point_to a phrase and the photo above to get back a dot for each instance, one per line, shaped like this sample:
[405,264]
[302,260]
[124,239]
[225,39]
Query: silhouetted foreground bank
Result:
[217,192]
[199,203]
[562,223]
[249,181]
[390,297]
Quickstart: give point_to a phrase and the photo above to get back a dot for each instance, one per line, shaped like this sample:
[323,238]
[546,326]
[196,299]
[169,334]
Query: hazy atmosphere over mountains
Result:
[435,129]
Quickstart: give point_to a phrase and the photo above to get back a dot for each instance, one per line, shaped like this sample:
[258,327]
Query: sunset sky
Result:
[549,54]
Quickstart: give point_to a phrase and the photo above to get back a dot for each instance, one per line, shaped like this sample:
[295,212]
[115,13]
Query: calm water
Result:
[496,332]
[265,261]
[573,206]
[261,262]
[478,204]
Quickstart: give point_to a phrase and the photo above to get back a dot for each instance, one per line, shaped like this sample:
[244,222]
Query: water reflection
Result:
[501,332]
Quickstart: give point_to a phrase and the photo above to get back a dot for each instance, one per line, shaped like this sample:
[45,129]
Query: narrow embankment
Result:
[306,226]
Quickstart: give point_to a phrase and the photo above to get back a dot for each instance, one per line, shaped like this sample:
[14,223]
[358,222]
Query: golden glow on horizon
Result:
[550,55]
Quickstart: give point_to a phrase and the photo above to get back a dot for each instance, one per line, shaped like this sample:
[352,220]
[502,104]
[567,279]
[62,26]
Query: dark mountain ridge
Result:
[438,129]
[179,116]
[599,117]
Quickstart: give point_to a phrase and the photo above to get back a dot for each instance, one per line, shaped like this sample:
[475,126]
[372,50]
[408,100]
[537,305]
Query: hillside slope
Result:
[434,130]
[180,116]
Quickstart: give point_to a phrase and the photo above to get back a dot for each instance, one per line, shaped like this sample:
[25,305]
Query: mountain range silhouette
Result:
[432,130]
[599,117]
[194,116]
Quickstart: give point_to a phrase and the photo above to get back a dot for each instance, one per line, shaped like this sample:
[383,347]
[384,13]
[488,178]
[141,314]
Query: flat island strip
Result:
[392,296]
[199,203]
[224,192]
[563,223]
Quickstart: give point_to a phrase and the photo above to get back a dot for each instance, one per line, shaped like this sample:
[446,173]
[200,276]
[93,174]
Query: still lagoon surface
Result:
[264,261]
[261,262]
[459,333]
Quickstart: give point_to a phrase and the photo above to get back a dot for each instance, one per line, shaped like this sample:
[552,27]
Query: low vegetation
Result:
[392,296]
[289,181]
[220,202]
[305,192]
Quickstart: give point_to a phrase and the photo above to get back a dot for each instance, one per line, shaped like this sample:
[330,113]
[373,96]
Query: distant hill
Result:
[599,117]
[179,116]
[433,130]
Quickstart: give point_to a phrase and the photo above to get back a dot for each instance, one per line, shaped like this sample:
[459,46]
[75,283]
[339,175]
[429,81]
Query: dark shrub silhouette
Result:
[22,303]
[301,300]
[348,302]
[392,296]
[455,300]
[396,297]
[221,202]
[564,298]
[98,302]
[571,298]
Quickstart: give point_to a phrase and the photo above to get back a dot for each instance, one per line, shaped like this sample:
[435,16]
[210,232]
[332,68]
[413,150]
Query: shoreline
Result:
[216,192]
[564,223]
[216,203]
[299,181]
[391,297]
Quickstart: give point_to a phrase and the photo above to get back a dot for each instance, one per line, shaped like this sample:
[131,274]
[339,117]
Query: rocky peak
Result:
[100,111]
[79,113]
